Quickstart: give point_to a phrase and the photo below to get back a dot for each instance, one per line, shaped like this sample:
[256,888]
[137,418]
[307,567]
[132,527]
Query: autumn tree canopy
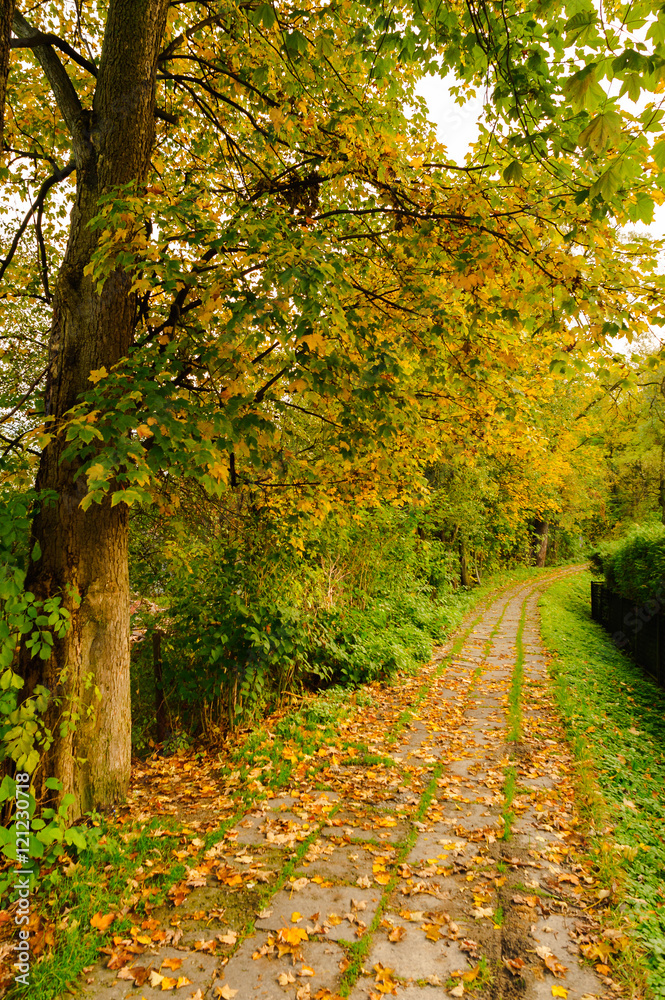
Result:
[242,257]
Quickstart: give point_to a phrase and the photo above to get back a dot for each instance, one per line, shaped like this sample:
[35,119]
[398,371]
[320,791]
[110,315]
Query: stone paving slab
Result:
[419,958]
[317,904]
[365,986]
[315,962]
[198,968]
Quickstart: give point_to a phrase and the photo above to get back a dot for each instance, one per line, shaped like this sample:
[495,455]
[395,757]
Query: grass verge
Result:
[615,720]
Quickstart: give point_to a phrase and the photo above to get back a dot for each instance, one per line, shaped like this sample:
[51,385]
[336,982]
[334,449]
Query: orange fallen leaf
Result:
[102,921]
[292,935]
[468,977]
[171,963]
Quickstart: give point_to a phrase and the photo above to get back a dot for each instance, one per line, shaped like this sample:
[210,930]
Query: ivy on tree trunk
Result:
[84,553]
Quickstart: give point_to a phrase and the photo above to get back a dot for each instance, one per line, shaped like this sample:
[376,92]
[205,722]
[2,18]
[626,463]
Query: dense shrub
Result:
[634,566]
[275,610]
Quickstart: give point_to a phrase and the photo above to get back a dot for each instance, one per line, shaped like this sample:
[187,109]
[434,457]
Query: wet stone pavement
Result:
[396,880]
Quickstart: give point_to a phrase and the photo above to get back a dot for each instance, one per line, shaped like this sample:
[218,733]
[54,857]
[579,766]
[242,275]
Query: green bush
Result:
[634,566]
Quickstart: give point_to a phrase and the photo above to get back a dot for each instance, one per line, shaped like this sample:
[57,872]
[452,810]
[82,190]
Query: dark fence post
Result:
[638,629]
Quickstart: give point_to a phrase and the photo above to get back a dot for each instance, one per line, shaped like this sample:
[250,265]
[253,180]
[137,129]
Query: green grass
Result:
[98,883]
[615,719]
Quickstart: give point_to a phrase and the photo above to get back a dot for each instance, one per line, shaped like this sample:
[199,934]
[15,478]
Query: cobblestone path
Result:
[400,878]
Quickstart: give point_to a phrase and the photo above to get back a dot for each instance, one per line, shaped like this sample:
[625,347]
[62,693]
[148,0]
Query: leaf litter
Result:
[422,745]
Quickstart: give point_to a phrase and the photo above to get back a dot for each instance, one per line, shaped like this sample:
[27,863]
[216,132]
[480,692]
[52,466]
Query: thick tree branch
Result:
[62,87]
[49,39]
[258,398]
[6,16]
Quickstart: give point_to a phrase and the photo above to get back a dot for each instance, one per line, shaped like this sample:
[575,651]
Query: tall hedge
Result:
[634,566]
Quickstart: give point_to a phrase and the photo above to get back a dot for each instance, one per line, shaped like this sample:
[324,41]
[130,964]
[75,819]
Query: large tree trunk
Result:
[6,16]
[540,547]
[85,553]
[661,482]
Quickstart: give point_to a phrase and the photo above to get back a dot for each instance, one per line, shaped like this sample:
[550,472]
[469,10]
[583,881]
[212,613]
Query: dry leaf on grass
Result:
[102,921]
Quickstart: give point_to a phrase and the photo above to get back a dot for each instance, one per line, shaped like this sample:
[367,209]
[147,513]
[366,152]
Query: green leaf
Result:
[582,90]
[632,85]
[658,153]
[609,182]
[603,131]
[265,15]
[512,174]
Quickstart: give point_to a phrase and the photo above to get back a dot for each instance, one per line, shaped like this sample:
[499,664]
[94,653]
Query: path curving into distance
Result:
[396,878]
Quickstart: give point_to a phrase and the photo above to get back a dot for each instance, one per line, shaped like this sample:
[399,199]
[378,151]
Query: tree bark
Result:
[86,553]
[465,576]
[542,529]
[6,17]
[661,482]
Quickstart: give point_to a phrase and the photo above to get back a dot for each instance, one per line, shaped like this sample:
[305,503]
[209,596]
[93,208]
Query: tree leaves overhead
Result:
[321,295]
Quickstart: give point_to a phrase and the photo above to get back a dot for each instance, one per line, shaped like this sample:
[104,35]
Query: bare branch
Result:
[49,39]
[62,87]
[55,178]
[24,397]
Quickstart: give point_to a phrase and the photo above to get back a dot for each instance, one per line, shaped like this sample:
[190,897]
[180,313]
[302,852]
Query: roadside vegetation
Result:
[614,717]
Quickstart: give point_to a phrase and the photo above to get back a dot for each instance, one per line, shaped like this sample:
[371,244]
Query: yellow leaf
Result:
[97,374]
[292,935]
[295,917]
[225,992]
[167,983]
[559,991]
[96,471]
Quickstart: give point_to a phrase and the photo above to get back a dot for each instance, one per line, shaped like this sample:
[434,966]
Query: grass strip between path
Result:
[514,720]
[615,721]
